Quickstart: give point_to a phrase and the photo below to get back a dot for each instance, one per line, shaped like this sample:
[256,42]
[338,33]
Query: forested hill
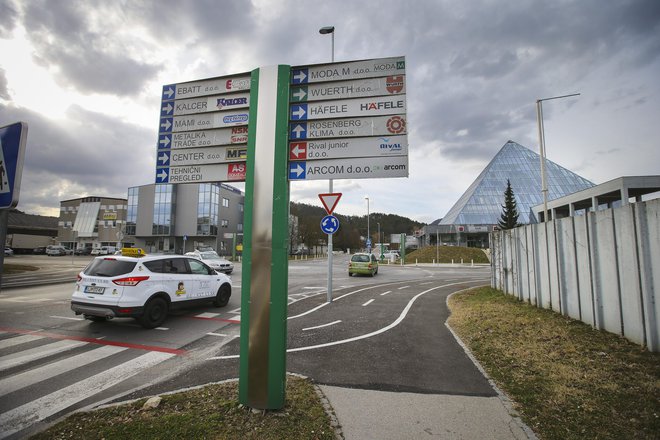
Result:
[351,227]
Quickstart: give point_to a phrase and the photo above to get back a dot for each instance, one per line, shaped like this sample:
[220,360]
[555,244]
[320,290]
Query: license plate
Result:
[94,289]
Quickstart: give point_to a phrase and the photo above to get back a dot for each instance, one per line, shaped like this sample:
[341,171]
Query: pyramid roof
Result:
[482,203]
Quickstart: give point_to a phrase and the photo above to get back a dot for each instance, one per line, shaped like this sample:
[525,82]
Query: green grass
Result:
[211,412]
[448,254]
[568,380]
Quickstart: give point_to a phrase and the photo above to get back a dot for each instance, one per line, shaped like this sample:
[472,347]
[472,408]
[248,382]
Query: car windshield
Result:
[209,256]
[360,258]
[109,267]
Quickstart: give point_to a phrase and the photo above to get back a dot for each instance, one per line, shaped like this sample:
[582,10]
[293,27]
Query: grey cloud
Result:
[8,18]
[4,92]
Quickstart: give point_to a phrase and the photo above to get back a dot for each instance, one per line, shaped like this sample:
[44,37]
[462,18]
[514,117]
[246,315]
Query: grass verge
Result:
[446,255]
[567,380]
[17,268]
[211,412]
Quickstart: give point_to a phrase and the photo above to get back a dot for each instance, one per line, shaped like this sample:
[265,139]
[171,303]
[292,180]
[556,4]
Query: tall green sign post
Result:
[262,374]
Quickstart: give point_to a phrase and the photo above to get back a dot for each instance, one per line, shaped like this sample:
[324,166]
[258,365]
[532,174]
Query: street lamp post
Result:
[380,243]
[368,232]
[539,120]
[324,31]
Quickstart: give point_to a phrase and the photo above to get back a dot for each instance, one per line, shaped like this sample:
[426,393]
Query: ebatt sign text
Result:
[202,130]
[348,120]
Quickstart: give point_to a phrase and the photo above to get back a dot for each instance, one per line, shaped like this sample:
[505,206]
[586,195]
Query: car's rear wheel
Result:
[223,295]
[155,312]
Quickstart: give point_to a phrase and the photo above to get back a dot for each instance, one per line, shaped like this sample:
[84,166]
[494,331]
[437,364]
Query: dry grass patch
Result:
[568,380]
[211,412]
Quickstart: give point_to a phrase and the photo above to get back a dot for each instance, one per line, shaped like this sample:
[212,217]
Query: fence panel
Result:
[553,268]
[584,269]
[568,282]
[648,237]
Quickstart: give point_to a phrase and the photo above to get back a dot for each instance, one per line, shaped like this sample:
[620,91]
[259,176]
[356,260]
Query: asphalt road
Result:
[381,333]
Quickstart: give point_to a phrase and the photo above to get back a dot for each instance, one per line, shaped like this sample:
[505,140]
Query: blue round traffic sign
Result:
[330,224]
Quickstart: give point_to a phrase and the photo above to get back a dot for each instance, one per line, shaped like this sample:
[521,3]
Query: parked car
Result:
[9,252]
[40,250]
[146,287]
[57,250]
[391,255]
[83,251]
[365,264]
[214,260]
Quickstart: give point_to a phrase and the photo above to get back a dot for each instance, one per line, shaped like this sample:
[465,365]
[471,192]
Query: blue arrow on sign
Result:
[300,76]
[169,92]
[297,170]
[329,224]
[166,125]
[164,140]
[166,108]
[163,158]
[298,130]
[299,112]
[162,175]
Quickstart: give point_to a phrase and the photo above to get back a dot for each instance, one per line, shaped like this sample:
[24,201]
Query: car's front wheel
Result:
[223,295]
[155,312]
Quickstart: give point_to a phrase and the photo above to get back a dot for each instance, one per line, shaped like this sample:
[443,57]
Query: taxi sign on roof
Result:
[133,252]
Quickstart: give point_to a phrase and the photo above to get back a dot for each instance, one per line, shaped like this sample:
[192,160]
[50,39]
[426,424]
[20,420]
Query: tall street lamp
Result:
[368,237]
[324,31]
[539,120]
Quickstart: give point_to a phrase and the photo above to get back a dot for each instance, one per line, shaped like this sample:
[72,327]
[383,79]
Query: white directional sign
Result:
[201,156]
[390,85]
[350,127]
[351,70]
[204,87]
[349,147]
[360,168]
[204,138]
[205,104]
[376,106]
[223,172]
[204,121]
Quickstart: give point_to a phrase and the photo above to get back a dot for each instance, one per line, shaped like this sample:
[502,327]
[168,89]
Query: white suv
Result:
[146,287]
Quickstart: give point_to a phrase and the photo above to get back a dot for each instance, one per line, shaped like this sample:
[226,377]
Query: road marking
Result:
[162,328]
[25,415]
[217,334]
[53,369]
[23,357]
[207,315]
[385,293]
[368,302]
[5,343]
[403,287]
[231,321]
[322,325]
[70,318]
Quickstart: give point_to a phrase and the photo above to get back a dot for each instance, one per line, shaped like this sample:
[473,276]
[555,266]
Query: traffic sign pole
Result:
[264,292]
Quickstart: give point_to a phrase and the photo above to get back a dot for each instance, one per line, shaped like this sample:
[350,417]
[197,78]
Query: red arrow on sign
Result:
[330,201]
[298,151]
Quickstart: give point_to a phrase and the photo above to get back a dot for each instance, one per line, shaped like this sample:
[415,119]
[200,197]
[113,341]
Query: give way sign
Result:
[330,201]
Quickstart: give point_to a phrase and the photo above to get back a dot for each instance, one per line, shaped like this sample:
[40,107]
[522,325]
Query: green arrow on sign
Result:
[299,94]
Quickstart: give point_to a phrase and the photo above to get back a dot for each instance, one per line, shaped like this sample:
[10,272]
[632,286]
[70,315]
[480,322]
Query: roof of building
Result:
[20,221]
[482,203]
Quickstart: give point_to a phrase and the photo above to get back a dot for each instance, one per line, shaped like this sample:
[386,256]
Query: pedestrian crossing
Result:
[26,366]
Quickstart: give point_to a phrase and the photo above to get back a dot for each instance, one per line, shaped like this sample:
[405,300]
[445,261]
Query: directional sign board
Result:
[12,151]
[348,120]
[202,129]
[330,224]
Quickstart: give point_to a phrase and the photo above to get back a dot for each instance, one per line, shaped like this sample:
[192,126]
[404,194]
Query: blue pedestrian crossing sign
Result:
[12,151]
[330,224]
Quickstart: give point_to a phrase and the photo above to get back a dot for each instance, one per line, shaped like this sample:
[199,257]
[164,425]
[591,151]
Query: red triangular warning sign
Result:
[330,201]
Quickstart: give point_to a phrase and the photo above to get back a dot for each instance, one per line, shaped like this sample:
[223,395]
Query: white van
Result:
[104,250]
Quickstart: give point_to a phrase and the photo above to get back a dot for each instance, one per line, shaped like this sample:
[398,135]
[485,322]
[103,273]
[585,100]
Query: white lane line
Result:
[70,318]
[368,302]
[385,293]
[207,315]
[48,371]
[217,334]
[32,412]
[18,340]
[403,287]
[162,328]
[322,325]
[26,356]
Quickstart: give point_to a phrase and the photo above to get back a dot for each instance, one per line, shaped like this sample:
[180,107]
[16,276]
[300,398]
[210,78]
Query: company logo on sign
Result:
[396,125]
[236,153]
[235,119]
[230,102]
[394,84]
[239,130]
[386,145]
[240,139]
[236,171]
[237,84]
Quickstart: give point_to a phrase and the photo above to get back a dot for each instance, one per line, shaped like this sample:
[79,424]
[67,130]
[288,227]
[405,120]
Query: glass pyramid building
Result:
[482,203]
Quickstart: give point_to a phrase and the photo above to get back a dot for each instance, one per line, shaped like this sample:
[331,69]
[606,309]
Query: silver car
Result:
[214,260]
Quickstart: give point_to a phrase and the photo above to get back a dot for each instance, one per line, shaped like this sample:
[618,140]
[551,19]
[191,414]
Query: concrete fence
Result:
[602,268]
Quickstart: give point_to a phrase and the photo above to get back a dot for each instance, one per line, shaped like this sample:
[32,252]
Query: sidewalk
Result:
[365,414]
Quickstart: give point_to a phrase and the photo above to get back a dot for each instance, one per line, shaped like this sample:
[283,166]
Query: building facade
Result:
[184,217]
[91,222]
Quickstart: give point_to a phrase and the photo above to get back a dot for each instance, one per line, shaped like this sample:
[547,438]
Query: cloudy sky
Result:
[87,78]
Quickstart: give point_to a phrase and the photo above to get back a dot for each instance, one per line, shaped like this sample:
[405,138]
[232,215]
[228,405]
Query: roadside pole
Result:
[264,291]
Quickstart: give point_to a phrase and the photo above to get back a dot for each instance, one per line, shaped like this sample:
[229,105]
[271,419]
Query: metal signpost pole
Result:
[262,371]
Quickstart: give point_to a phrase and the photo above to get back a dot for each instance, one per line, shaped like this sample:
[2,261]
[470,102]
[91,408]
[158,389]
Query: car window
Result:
[360,258]
[197,267]
[109,267]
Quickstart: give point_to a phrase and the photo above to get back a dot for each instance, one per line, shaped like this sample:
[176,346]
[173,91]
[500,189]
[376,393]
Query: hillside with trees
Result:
[352,230]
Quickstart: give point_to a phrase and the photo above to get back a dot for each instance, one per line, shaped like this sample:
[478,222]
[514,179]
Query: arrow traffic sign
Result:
[219,172]
[297,170]
[372,146]
[348,127]
[329,224]
[351,70]
[298,151]
[330,201]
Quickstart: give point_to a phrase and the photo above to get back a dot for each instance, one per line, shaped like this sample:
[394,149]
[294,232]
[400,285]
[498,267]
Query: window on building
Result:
[225,202]
[207,209]
[131,213]
[164,201]
[224,223]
